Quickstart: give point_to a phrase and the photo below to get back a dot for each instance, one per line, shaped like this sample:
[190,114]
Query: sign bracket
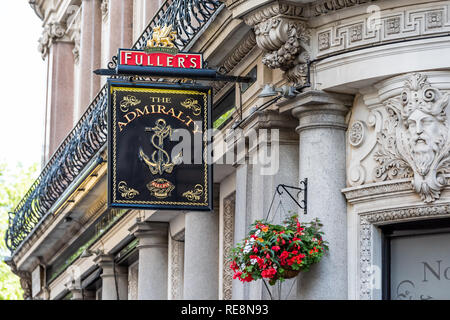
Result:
[195,74]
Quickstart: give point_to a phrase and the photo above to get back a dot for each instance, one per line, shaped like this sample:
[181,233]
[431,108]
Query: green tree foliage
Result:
[14,183]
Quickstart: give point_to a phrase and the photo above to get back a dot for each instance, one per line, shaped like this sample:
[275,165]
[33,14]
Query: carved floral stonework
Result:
[51,32]
[366,238]
[228,239]
[357,133]
[414,141]
[286,43]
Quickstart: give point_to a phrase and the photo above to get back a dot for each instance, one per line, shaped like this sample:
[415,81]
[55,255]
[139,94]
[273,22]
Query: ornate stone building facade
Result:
[366,120]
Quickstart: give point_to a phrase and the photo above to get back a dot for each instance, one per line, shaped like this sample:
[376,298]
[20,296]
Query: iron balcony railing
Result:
[187,17]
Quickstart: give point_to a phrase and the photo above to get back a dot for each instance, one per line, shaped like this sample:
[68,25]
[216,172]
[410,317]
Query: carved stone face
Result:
[425,138]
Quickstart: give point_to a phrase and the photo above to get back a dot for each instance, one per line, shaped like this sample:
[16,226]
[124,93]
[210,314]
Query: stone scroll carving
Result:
[414,141]
[284,38]
[51,32]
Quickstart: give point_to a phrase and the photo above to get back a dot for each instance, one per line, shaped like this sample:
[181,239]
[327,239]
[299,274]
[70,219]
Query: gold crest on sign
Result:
[162,37]
[160,188]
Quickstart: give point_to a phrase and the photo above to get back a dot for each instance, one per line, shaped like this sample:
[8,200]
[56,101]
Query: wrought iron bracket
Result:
[197,74]
[303,188]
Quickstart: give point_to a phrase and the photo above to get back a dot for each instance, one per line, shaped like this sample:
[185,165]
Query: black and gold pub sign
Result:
[158,150]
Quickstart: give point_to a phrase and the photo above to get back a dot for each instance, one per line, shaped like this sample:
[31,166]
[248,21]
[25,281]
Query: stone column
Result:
[201,260]
[120,17]
[272,160]
[109,290]
[322,160]
[77,292]
[153,259]
[90,54]
[201,253]
[60,97]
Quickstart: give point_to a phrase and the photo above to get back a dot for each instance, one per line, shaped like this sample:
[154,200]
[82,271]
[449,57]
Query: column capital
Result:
[104,260]
[150,234]
[319,109]
[269,119]
[51,33]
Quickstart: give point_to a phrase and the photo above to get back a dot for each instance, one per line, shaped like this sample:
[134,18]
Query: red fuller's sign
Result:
[160,59]
[160,51]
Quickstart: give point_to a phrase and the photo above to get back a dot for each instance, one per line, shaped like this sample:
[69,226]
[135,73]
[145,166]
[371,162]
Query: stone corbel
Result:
[105,8]
[284,37]
[25,279]
[51,32]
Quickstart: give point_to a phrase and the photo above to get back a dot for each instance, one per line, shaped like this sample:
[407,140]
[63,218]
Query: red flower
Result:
[269,273]
[284,254]
[275,248]
[234,265]
[255,249]
[247,278]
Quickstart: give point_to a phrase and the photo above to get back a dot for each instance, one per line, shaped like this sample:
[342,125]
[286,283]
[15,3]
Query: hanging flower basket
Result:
[278,252]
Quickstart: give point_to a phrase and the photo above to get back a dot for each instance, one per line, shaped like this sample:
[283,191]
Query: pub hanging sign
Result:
[158,152]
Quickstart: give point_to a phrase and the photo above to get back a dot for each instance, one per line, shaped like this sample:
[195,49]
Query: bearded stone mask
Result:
[417,137]
[424,117]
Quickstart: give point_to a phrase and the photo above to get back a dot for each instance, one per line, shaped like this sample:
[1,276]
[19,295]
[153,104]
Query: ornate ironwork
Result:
[303,189]
[188,17]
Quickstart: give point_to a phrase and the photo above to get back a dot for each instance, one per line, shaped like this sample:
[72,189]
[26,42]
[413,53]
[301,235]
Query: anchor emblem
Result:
[160,160]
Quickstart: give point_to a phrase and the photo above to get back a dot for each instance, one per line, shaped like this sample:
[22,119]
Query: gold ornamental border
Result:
[114,89]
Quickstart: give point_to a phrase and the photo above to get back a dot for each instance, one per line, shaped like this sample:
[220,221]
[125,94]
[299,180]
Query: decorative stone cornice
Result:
[239,53]
[328,6]
[357,193]
[311,9]
[235,58]
[277,8]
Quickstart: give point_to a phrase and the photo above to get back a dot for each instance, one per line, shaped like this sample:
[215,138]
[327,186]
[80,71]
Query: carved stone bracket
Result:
[51,32]
[25,279]
[284,37]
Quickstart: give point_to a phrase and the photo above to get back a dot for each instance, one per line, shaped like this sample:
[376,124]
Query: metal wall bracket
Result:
[196,74]
[303,188]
